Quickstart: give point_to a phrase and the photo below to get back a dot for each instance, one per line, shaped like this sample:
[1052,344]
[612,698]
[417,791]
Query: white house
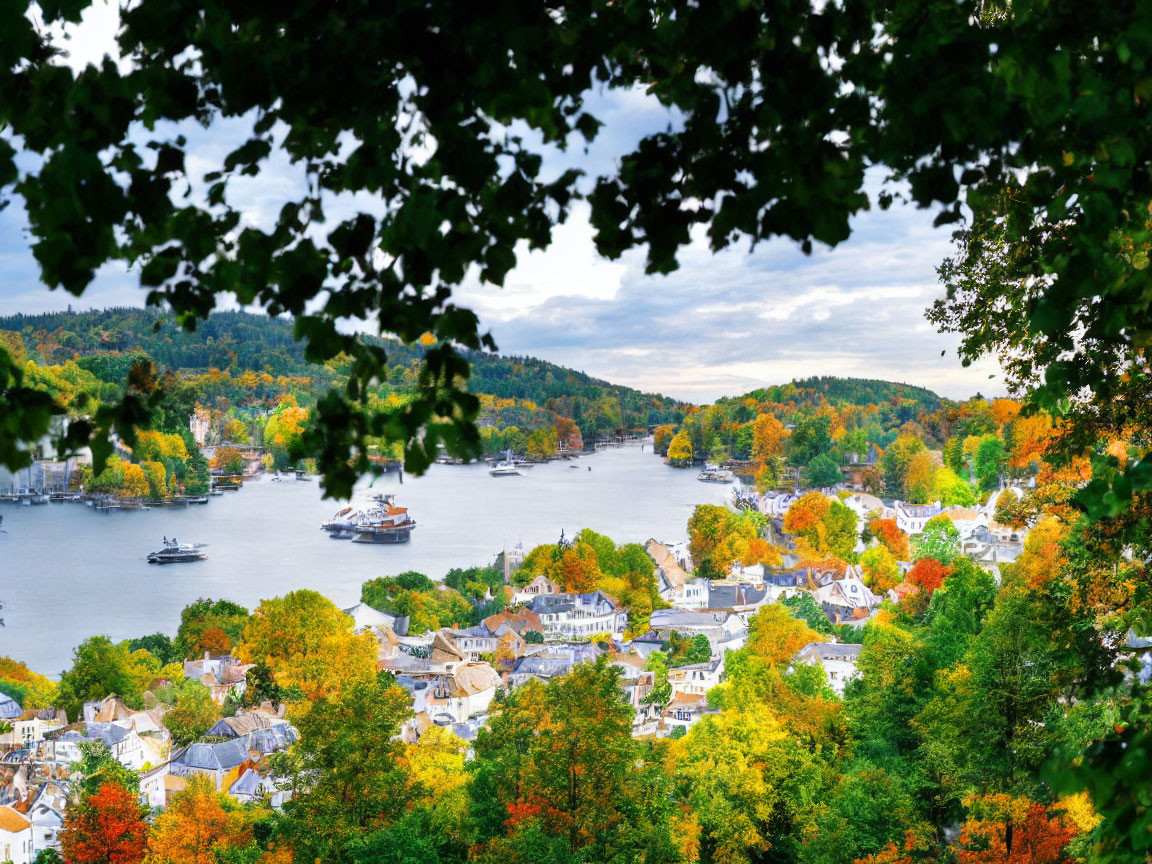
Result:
[154,786]
[199,424]
[847,597]
[568,616]
[693,594]
[452,697]
[47,816]
[837,658]
[539,586]
[64,747]
[15,837]
[30,727]
[725,630]
[697,679]
[911,518]
[684,710]
[124,744]
[672,580]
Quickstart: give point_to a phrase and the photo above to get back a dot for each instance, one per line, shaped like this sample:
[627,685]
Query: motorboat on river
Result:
[508,468]
[715,474]
[178,553]
[374,519]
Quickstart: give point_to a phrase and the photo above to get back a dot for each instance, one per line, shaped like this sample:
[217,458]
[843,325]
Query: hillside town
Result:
[455,675]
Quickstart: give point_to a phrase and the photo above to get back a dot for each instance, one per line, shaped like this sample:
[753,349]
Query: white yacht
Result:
[507,468]
[715,474]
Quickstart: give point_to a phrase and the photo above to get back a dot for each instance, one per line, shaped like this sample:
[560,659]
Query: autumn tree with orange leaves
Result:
[578,569]
[198,823]
[306,641]
[822,526]
[768,439]
[888,532]
[1005,830]
[762,674]
[719,538]
[929,574]
[106,827]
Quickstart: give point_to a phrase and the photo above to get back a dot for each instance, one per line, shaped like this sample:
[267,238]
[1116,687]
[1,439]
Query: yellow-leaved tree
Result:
[305,641]
[283,431]
[680,450]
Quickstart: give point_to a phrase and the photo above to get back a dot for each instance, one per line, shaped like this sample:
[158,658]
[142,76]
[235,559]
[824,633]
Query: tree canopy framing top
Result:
[785,105]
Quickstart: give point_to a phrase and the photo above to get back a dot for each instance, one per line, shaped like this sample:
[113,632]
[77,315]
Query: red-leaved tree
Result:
[1014,831]
[106,827]
[929,574]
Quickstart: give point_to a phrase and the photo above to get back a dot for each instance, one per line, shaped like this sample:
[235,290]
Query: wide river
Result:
[68,572]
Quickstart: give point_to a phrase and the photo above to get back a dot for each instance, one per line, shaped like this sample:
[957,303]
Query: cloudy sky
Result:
[721,325]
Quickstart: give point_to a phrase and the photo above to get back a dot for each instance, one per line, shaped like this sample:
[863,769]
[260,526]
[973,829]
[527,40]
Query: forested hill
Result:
[236,342]
[869,391]
[849,391]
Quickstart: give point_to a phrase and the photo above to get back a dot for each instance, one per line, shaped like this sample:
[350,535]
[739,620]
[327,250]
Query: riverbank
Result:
[67,572]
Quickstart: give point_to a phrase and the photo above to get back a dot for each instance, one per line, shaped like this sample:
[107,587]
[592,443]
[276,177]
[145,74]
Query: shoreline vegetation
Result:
[902,643]
[778,755]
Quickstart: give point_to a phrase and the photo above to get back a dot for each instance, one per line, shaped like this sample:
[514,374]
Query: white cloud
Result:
[720,325]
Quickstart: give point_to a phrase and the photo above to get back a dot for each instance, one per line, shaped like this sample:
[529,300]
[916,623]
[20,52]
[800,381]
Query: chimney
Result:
[207,656]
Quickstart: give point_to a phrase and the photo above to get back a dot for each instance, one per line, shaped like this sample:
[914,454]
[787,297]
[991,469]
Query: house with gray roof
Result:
[272,739]
[251,787]
[724,630]
[214,761]
[697,678]
[124,744]
[9,708]
[572,616]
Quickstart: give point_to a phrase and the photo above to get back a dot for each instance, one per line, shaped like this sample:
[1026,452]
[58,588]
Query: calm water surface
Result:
[68,572]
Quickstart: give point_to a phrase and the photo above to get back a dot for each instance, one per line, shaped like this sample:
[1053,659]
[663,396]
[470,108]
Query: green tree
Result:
[348,777]
[811,438]
[205,615]
[158,645]
[749,784]
[192,712]
[989,461]
[896,460]
[804,608]
[823,471]
[940,539]
[97,766]
[99,668]
[560,759]
[957,610]
[954,454]
[866,810]
[951,490]
[229,461]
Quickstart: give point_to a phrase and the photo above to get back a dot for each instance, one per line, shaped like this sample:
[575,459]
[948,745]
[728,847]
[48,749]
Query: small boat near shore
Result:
[715,474]
[508,468]
[178,553]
